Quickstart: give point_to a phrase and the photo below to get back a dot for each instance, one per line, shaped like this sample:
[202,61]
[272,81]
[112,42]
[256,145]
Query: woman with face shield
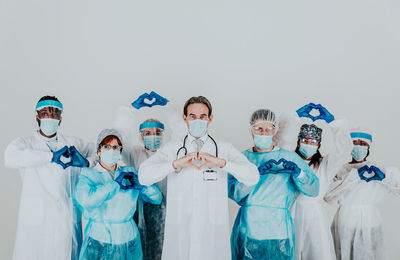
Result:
[263,228]
[358,187]
[150,217]
[107,195]
[313,237]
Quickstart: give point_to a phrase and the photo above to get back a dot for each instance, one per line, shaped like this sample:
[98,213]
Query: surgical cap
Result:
[310,131]
[264,115]
[107,132]
[361,134]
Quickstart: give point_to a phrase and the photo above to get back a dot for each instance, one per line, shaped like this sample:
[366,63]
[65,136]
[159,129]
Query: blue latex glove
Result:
[133,180]
[378,174]
[140,101]
[58,154]
[324,114]
[281,166]
[77,160]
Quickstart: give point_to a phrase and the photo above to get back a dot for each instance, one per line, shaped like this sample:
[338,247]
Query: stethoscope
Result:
[183,147]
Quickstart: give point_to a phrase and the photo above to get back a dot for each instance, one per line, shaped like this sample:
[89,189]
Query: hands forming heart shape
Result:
[192,160]
[372,173]
[324,114]
[76,159]
[281,166]
[129,180]
[153,99]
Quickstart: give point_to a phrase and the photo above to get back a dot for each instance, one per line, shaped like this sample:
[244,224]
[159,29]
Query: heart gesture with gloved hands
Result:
[77,160]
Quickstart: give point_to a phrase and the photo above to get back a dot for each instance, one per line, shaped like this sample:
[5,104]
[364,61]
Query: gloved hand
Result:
[324,114]
[375,174]
[140,101]
[77,160]
[58,154]
[291,166]
[133,180]
[281,166]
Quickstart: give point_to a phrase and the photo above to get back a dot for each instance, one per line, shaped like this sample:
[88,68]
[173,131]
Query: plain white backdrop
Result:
[242,55]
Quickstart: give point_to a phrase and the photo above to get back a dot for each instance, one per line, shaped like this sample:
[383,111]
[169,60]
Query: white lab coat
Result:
[49,225]
[197,221]
[313,236]
[357,227]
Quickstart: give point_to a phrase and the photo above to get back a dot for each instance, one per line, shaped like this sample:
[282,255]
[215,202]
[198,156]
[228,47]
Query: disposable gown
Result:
[111,232]
[263,228]
[151,217]
[357,226]
[313,235]
[49,225]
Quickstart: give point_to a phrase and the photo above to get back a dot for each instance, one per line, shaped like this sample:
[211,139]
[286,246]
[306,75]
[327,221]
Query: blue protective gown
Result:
[111,232]
[263,228]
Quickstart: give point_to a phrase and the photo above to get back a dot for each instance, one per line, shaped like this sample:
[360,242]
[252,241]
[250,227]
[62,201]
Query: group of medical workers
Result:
[178,191]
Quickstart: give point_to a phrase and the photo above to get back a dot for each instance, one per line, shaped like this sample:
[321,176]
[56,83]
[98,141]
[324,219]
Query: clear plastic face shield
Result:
[49,116]
[151,134]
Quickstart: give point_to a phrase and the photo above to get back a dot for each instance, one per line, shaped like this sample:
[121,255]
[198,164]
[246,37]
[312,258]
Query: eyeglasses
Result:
[269,130]
[309,141]
[109,147]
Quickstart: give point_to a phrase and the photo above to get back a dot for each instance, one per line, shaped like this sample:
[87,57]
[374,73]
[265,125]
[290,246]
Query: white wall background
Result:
[243,55]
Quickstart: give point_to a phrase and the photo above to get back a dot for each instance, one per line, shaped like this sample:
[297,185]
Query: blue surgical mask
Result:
[110,157]
[198,128]
[152,142]
[308,150]
[359,152]
[49,126]
[263,141]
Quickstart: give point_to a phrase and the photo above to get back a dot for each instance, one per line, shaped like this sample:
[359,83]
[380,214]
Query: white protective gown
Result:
[313,235]
[357,227]
[197,221]
[49,225]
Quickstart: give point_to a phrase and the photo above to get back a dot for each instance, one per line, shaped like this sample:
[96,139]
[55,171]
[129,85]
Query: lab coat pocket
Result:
[174,213]
[31,211]
[217,210]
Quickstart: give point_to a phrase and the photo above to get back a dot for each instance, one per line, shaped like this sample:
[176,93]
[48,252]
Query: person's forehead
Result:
[113,141]
[151,129]
[49,109]
[263,124]
[197,108]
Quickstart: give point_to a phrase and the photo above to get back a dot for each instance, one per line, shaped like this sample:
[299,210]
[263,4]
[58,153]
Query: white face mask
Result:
[308,150]
[49,126]
[263,141]
[198,128]
[359,152]
[110,157]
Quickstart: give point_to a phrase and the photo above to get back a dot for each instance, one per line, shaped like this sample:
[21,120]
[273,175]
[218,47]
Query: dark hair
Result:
[108,140]
[48,98]
[198,100]
[316,159]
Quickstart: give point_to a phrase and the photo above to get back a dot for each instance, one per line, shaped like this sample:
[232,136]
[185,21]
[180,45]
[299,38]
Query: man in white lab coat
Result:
[197,218]
[49,226]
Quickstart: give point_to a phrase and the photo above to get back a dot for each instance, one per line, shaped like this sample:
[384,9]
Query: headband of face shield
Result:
[49,103]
